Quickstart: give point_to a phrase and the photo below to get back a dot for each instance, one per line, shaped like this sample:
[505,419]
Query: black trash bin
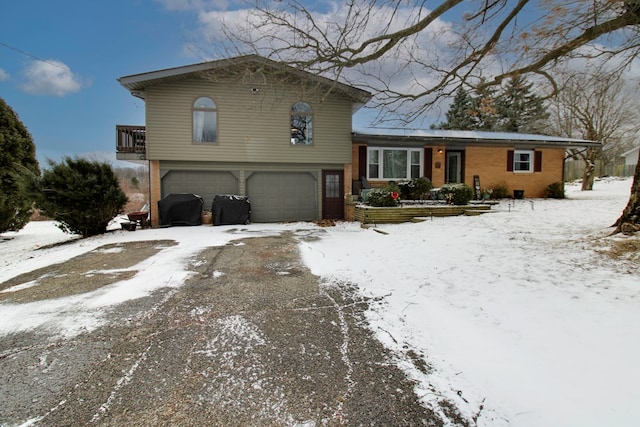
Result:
[518,194]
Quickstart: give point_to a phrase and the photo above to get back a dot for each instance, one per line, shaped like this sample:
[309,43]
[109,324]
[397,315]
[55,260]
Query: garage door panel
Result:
[282,196]
[206,184]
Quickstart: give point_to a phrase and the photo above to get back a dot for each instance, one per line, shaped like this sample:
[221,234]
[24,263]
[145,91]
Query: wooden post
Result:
[155,191]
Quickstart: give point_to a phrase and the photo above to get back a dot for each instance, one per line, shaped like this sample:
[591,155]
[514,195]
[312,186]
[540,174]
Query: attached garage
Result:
[206,184]
[282,196]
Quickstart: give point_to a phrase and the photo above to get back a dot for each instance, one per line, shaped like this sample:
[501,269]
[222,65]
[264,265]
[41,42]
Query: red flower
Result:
[394,195]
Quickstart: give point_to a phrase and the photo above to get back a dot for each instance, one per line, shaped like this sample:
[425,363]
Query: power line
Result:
[22,52]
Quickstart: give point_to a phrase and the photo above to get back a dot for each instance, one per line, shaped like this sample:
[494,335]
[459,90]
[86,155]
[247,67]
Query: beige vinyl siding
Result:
[252,126]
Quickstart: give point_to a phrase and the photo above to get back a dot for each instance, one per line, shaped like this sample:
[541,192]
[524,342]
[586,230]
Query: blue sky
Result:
[59,64]
[87,45]
[60,61]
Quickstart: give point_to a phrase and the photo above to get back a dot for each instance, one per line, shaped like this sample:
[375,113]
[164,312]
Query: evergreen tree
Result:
[18,166]
[82,195]
[514,109]
[519,109]
[484,111]
[459,115]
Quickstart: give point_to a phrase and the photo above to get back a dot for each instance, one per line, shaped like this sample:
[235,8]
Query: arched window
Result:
[301,124]
[205,120]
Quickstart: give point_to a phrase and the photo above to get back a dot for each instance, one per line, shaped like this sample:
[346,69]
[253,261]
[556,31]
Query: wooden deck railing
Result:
[131,139]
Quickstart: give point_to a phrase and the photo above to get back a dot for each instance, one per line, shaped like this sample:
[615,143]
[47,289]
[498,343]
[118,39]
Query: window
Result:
[332,185]
[416,164]
[374,164]
[523,161]
[301,124]
[205,120]
[394,163]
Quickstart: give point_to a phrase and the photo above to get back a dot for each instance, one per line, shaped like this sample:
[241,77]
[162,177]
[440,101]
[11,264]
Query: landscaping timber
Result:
[400,214]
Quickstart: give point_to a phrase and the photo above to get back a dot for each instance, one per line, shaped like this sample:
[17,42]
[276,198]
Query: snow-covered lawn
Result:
[521,315]
[517,310]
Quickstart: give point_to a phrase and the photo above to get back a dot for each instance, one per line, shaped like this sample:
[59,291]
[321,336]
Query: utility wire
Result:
[22,52]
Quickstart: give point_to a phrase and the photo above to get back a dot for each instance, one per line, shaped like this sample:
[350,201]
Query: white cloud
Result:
[404,70]
[3,75]
[412,67]
[51,78]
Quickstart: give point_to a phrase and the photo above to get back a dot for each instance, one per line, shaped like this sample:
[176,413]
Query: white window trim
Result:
[381,162]
[195,109]
[531,160]
[308,118]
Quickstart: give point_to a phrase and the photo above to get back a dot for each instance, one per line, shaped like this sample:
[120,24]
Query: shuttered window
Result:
[524,161]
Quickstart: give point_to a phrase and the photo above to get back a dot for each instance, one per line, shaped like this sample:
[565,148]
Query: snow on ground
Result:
[513,310]
[520,316]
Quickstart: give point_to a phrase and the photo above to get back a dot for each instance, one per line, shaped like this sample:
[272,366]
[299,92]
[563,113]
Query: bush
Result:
[457,194]
[499,191]
[554,190]
[415,189]
[18,168]
[384,197]
[83,196]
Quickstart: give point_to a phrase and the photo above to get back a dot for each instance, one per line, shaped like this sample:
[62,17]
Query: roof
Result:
[633,150]
[137,83]
[451,137]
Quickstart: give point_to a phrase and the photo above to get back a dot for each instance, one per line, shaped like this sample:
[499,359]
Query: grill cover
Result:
[231,209]
[180,209]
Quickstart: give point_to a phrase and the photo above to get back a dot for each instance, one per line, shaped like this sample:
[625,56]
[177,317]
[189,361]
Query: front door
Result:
[454,167]
[332,194]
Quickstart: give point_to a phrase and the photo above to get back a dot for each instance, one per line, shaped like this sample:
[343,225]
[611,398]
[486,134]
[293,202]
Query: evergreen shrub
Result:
[18,168]
[415,189]
[555,190]
[500,191]
[384,197]
[82,195]
[457,194]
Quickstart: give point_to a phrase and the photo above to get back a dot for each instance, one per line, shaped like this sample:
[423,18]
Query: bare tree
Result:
[414,53]
[629,221]
[599,106]
[406,53]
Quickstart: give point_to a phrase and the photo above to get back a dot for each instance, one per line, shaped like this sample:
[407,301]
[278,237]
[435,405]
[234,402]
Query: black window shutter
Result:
[428,163]
[362,161]
[537,164]
[510,161]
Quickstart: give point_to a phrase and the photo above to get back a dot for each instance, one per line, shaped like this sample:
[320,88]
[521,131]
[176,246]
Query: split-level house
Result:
[246,126]
[254,127]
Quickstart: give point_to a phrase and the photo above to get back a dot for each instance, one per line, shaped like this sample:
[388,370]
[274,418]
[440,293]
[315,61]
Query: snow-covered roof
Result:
[433,136]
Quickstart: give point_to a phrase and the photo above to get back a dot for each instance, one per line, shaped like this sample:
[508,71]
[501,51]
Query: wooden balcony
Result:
[131,142]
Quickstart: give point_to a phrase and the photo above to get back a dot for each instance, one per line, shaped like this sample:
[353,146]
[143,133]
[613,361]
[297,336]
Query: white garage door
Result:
[282,196]
[205,184]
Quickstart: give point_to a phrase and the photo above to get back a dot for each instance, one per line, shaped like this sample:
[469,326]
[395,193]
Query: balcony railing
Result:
[131,139]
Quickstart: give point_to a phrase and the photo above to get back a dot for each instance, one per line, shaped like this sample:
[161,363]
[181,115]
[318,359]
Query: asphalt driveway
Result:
[252,339]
